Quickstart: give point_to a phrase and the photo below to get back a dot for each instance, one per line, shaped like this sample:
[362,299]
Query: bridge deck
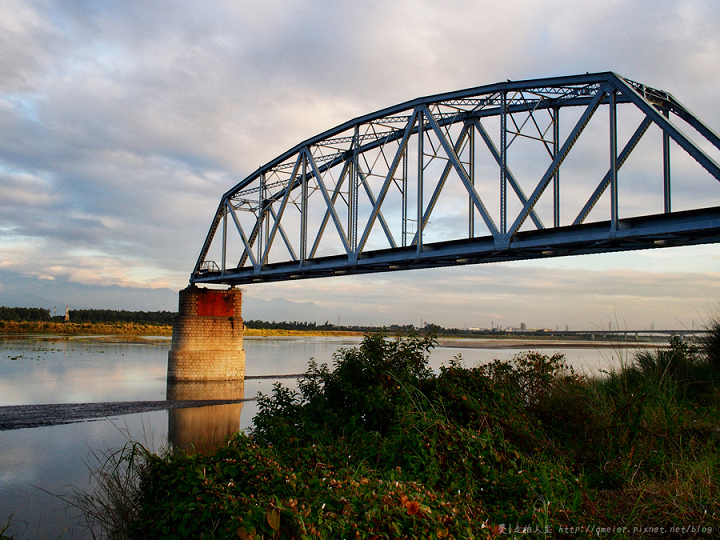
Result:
[474,176]
[677,229]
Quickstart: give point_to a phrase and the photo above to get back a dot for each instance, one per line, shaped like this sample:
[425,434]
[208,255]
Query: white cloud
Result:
[121,125]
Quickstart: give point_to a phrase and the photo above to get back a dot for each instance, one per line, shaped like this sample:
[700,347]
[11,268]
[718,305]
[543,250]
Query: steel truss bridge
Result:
[514,170]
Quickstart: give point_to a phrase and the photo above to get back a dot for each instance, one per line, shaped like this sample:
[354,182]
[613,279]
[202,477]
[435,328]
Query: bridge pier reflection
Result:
[201,429]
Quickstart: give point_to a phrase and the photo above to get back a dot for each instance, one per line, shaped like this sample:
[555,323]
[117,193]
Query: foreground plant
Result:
[111,508]
[379,446]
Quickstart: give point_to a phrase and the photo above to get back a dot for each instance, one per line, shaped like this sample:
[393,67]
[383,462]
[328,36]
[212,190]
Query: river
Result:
[39,463]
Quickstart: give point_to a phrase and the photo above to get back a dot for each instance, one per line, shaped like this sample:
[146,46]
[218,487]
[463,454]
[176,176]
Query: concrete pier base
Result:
[207,339]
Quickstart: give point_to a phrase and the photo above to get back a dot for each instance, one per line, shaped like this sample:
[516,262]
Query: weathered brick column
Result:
[207,339]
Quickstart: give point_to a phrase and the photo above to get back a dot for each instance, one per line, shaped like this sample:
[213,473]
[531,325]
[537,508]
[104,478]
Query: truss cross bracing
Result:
[515,170]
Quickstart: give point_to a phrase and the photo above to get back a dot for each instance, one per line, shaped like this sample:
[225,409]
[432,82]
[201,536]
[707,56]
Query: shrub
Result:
[711,342]
[365,388]
[380,447]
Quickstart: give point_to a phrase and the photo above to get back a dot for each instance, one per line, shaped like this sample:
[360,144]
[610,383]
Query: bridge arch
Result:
[514,170]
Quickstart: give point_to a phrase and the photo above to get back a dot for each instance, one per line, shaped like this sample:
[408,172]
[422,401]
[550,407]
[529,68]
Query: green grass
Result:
[379,446]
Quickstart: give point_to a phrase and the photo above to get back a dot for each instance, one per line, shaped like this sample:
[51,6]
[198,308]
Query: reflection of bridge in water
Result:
[200,429]
[516,170]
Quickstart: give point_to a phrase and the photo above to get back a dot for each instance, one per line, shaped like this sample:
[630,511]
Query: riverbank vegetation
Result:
[160,318]
[256,327]
[20,320]
[278,332]
[379,446]
[137,329]
[86,329]
[23,314]
[98,321]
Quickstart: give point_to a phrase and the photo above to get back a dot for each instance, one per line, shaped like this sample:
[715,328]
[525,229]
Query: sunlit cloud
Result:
[122,126]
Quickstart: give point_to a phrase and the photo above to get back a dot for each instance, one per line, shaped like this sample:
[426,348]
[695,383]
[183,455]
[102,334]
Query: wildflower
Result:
[413,507]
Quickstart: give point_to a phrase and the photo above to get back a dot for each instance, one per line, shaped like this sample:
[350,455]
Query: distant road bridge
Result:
[514,170]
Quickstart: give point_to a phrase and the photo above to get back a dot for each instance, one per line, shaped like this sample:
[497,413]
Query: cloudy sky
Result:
[123,122]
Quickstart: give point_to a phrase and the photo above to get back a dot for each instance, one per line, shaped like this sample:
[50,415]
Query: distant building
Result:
[67,313]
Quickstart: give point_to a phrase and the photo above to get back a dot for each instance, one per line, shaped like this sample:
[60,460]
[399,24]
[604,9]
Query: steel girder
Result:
[359,198]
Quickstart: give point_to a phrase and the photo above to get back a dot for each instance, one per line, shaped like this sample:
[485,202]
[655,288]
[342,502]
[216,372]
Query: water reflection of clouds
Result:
[59,371]
[290,355]
[80,385]
[36,463]
[12,463]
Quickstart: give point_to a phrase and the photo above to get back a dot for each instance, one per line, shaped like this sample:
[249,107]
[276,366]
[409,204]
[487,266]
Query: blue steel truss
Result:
[362,197]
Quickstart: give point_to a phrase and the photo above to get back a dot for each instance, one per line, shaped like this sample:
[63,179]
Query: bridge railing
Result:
[508,171]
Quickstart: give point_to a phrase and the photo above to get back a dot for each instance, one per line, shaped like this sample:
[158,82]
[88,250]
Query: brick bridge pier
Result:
[207,338]
[206,361]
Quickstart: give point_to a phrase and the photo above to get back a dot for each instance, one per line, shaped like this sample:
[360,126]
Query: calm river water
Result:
[38,463]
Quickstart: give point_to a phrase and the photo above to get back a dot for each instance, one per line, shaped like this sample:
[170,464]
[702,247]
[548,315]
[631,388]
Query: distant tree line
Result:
[166,318]
[284,325]
[88,315]
[24,314]
[111,315]
[427,329]
[257,324]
